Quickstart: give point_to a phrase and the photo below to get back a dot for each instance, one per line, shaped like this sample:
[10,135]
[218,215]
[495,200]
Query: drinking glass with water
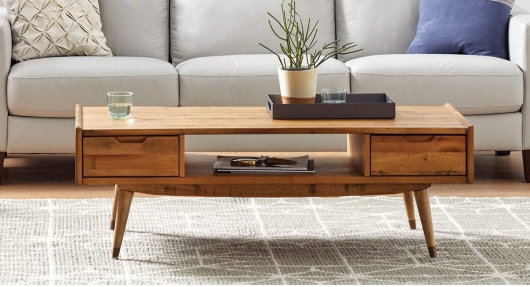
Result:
[333,96]
[119,105]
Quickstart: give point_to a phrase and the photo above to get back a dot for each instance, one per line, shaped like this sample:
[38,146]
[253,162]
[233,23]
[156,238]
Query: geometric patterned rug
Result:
[353,240]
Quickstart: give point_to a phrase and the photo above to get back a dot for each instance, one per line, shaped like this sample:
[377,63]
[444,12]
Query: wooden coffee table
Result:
[146,154]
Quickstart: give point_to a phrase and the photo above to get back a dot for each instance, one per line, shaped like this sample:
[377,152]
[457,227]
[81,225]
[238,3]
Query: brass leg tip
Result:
[115,253]
[412,224]
[432,252]
[112,224]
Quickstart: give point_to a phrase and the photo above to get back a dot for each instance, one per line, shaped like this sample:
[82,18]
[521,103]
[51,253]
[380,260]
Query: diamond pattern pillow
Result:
[50,28]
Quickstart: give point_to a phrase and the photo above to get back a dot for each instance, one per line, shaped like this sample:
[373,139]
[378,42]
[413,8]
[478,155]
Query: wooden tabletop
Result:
[94,121]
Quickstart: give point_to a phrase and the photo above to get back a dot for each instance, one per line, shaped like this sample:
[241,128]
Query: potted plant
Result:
[299,62]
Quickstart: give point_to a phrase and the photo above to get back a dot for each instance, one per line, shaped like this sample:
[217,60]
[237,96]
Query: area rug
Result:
[355,240]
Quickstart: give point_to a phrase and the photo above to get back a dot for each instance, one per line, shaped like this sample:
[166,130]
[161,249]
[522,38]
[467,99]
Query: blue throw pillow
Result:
[471,27]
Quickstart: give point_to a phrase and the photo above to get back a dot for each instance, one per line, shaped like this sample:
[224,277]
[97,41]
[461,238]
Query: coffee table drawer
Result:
[417,155]
[131,156]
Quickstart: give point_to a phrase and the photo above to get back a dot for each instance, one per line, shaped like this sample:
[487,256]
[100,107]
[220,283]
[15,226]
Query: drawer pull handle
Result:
[419,138]
[130,139]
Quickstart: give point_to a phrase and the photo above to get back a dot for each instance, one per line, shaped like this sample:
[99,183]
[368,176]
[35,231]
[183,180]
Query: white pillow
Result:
[50,28]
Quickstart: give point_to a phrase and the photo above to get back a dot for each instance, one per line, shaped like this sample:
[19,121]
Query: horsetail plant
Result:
[299,40]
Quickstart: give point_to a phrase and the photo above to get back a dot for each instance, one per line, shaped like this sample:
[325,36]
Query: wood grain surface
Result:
[78,145]
[418,155]
[260,190]
[256,120]
[131,156]
[358,147]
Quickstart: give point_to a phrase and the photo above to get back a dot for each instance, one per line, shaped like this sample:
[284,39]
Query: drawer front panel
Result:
[418,155]
[130,156]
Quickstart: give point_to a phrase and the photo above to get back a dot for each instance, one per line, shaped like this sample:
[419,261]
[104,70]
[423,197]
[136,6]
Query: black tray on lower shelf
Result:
[357,106]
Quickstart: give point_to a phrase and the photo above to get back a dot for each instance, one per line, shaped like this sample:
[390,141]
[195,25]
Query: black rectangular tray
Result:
[357,106]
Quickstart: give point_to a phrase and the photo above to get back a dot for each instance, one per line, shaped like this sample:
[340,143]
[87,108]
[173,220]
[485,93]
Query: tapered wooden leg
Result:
[122,213]
[408,198]
[114,207]
[2,157]
[424,209]
[526,165]
[502,153]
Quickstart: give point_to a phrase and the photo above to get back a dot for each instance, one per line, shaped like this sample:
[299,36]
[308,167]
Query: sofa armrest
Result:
[5,66]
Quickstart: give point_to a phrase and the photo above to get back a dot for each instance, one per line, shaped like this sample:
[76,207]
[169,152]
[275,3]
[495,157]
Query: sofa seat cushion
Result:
[474,85]
[243,80]
[52,87]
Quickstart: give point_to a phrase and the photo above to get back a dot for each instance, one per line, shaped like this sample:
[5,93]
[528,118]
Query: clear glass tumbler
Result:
[119,105]
[333,96]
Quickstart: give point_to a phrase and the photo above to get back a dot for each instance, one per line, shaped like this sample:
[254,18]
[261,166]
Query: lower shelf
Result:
[332,168]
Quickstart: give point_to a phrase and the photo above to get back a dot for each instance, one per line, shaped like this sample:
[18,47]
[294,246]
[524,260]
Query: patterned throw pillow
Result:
[49,28]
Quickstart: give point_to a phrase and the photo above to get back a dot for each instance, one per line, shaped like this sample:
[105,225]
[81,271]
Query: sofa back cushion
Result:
[137,28]
[201,28]
[378,26]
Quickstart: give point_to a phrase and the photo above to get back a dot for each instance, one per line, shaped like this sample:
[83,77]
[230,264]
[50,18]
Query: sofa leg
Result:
[2,157]
[502,153]
[526,165]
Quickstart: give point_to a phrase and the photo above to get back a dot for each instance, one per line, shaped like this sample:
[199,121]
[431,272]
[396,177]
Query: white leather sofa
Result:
[206,53]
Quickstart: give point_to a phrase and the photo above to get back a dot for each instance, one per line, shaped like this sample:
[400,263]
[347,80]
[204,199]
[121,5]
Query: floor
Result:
[53,177]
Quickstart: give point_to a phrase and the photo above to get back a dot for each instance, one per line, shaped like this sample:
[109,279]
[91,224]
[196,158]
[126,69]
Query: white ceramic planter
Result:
[298,86]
